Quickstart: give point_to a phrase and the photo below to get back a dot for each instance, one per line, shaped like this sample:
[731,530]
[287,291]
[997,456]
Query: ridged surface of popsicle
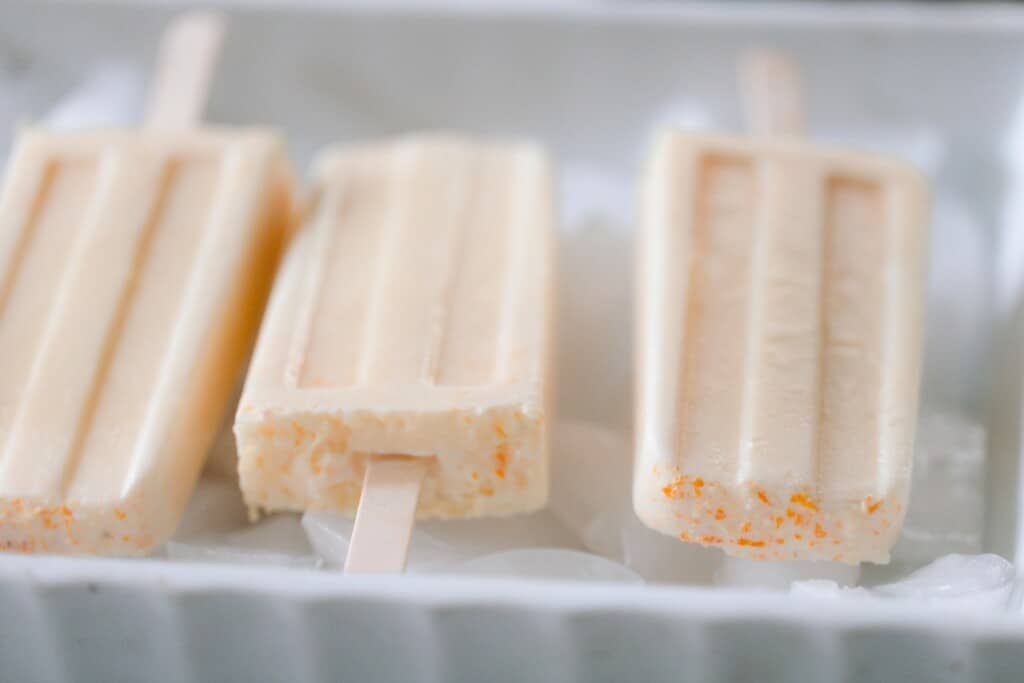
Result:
[133,271]
[412,316]
[781,295]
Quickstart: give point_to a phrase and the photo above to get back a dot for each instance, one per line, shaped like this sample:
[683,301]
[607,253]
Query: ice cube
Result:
[738,572]
[591,471]
[330,535]
[277,540]
[982,581]
[548,563]
[947,502]
[659,558]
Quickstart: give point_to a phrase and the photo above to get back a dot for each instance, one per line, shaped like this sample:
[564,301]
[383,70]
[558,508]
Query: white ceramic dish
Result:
[943,85]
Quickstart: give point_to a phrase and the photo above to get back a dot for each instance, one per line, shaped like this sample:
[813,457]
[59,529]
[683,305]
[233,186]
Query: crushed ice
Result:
[966,581]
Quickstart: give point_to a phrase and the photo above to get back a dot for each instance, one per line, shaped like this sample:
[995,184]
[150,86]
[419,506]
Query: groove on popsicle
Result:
[356,207]
[460,192]
[435,222]
[403,164]
[851,349]
[826,268]
[514,298]
[468,356]
[766,187]
[108,224]
[895,332]
[718,289]
[164,173]
[313,289]
[217,247]
[35,281]
[780,384]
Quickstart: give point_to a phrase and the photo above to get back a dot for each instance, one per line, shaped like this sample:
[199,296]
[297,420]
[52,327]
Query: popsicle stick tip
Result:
[187,59]
[772,92]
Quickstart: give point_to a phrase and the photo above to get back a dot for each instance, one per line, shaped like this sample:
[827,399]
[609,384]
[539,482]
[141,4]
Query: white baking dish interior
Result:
[943,87]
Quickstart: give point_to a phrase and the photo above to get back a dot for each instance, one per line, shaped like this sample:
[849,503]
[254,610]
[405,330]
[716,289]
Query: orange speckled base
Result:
[80,529]
[760,523]
[490,462]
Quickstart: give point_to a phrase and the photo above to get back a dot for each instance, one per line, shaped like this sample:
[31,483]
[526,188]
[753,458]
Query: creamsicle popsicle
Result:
[412,318]
[133,270]
[781,289]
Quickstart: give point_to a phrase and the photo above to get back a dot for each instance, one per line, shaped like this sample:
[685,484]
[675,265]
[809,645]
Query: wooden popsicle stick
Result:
[386,514]
[187,59]
[772,93]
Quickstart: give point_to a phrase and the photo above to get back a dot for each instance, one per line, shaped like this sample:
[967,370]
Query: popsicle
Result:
[403,366]
[781,289]
[133,270]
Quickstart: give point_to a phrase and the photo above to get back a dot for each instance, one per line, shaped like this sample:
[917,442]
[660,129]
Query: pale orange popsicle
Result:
[781,289]
[412,317]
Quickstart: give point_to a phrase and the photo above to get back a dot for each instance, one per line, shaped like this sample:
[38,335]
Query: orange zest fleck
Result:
[486,491]
[719,514]
[749,542]
[120,514]
[804,500]
[819,532]
[778,522]
[710,539]
[684,536]
[763,497]
[780,541]
[798,537]
[126,539]
[501,457]
[474,475]
[674,488]
[874,506]
[745,528]
[65,510]
[499,472]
